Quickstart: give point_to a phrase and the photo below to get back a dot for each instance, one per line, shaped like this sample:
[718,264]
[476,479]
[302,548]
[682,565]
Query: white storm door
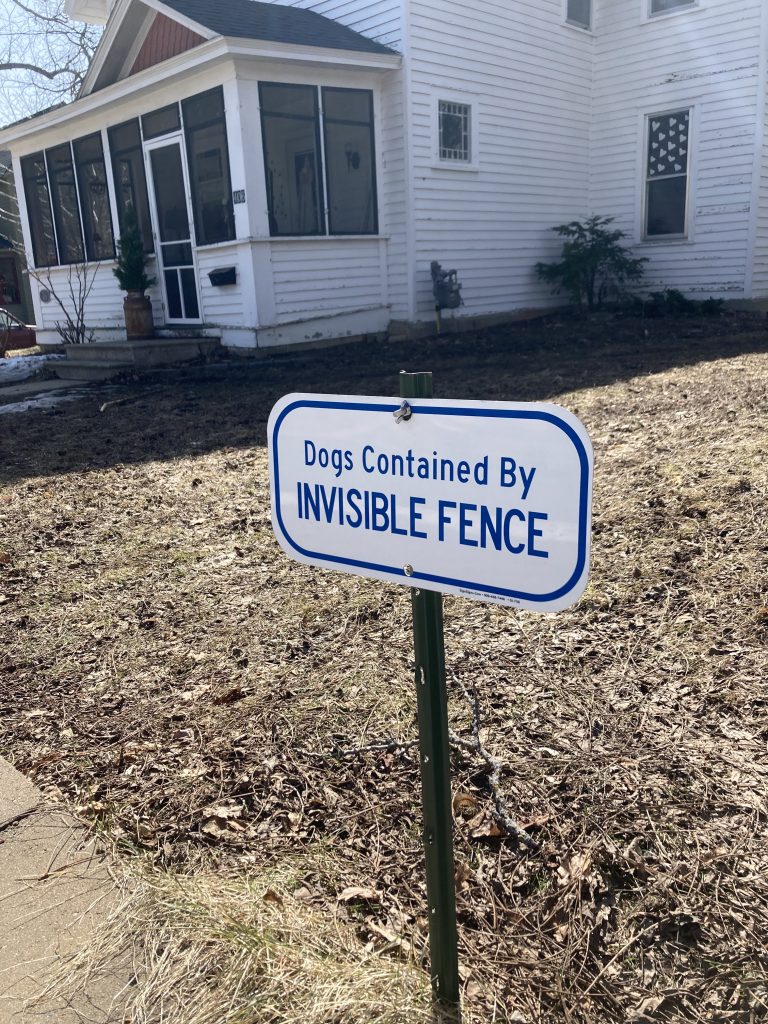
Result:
[174,231]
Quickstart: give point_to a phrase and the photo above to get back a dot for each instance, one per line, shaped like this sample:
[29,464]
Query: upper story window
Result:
[579,12]
[454,131]
[662,6]
[306,194]
[666,179]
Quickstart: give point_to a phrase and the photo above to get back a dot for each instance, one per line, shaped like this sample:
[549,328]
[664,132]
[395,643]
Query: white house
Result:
[296,166]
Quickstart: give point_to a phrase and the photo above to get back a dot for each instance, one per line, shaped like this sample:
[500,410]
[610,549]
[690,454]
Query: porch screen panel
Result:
[130,178]
[38,201]
[66,209]
[208,156]
[291,131]
[350,161]
[94,197]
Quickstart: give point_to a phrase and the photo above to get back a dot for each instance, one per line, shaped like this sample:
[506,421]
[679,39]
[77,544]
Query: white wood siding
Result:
[322,278]
[707,59]
[377,19]
[104,308]
[760,267]
[528,78]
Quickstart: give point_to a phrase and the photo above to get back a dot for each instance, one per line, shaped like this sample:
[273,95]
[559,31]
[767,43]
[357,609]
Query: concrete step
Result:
[94,369]
[153,352]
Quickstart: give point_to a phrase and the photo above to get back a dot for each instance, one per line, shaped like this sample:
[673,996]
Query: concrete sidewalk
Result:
[54,890]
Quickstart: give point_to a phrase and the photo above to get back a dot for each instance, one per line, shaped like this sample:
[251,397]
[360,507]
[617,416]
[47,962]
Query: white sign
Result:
[489,500]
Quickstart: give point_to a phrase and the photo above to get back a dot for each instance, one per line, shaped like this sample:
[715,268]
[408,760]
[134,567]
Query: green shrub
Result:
[671,302]
[131,259]
[592,263]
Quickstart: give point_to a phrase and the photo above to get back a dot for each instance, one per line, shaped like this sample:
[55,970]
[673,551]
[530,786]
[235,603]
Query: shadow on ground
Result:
[192,410]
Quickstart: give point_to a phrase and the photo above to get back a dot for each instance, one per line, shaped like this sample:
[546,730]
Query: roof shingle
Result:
[252,19]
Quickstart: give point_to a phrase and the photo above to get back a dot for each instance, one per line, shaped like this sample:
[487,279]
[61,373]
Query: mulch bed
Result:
[168,671]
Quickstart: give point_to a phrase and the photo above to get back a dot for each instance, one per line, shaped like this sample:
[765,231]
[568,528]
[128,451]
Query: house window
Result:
[666,187]
[291,128]
[38,203]
[161,122]
[66,211]
[299,186]
[130,179]
[208,153]
[350,162]
[10,294]
[662,6]
[579,12]
[454,127]
[94,197]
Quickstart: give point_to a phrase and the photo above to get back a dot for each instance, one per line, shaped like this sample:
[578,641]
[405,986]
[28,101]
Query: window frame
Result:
[572,23]
[53,193]
[374,161]
[26,159]
[686,236]
[318,120]
[188,132]
[114,156]
[77,164]
[9,260]
[687,7]
[473,102]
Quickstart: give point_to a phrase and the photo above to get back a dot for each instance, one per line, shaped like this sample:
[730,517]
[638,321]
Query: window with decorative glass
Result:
[454,131]
[666,179]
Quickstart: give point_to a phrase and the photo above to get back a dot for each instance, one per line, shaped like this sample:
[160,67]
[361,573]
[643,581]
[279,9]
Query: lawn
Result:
[199,699]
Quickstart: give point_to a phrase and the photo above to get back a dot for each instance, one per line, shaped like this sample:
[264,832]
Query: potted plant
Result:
[131,272]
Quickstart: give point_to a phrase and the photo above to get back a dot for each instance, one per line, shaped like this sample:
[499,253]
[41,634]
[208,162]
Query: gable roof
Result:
[274,23]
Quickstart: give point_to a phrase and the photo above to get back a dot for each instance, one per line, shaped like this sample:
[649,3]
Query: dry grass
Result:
[164,666]
[217,949]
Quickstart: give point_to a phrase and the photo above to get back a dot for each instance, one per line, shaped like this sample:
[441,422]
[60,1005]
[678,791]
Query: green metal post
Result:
[432,697]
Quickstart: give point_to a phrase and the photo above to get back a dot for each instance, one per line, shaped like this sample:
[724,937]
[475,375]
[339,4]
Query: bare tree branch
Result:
[43,56]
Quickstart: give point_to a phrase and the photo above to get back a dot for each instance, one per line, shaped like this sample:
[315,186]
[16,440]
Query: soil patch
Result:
[172,675]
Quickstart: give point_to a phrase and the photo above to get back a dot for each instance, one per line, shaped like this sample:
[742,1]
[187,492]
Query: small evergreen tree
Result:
[131,259]
[592,262]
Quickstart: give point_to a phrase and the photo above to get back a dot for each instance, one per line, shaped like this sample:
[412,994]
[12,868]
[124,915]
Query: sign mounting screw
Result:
[403,413]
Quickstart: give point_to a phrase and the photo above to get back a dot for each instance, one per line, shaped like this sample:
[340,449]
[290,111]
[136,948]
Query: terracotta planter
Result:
[138,316]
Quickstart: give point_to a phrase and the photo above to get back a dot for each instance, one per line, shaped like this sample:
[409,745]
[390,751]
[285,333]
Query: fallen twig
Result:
[14,818]
[475,744]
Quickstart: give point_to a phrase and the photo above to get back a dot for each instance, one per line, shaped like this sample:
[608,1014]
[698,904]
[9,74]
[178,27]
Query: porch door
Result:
[174,233]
